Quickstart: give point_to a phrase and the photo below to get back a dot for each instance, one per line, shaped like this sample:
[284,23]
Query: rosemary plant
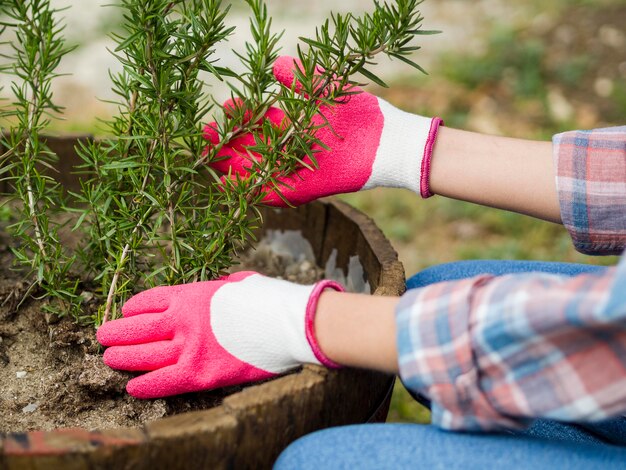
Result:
[35,54]
[152,209]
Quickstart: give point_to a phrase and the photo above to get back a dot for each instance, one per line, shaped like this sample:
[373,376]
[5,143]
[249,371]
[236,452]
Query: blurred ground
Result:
[525,68]
[89,22]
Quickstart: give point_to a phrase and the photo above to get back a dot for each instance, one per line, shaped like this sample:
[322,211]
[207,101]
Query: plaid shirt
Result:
[496,352]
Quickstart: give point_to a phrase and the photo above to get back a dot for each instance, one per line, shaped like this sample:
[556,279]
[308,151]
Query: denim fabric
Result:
[612,430]
[544,444]
[395,446]
[465,269]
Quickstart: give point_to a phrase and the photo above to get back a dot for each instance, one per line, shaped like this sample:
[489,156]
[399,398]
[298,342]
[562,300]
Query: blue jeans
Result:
[545,444]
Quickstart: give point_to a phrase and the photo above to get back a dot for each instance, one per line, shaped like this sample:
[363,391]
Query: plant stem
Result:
[30,131]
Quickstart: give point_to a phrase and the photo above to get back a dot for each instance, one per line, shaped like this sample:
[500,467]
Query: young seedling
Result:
[35,53]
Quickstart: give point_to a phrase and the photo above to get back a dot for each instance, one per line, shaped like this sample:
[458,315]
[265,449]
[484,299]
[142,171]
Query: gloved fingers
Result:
[153,300]
[227,152]
[231,108]
[270,197]
[235,107]
[230,181]
[211,134]
[235,157]
[288,192]
[283,70]
[143,357]
[300,187]
[164,382]
[224,165]
[274,199]
[276,116]
[137,329]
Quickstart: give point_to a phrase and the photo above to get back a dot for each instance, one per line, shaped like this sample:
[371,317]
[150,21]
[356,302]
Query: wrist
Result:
[310,320]
[357,330]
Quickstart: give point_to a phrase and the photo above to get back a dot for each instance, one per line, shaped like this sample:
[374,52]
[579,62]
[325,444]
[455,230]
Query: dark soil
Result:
[51,370]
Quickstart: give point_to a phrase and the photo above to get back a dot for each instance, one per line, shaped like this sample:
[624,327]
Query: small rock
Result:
[20,374]
[87,296]
[30,407]
[305,266]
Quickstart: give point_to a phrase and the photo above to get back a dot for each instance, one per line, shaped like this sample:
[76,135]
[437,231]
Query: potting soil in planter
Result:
[51,371]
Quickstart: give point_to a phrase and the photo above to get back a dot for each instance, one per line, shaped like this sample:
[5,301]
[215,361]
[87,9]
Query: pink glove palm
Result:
[370,144]
[207,335]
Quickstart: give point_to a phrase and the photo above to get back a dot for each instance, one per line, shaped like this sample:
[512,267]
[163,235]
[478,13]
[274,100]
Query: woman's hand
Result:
[207,335]
[369,143]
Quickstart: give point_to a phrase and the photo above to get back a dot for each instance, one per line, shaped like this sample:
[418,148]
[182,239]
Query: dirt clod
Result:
[98,379]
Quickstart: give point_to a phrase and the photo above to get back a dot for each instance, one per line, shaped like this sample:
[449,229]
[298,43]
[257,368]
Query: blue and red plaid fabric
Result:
[591,182]
[496,352]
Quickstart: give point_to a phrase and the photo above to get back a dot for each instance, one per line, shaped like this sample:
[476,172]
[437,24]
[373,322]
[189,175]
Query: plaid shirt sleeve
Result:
[497,352]
[591,183]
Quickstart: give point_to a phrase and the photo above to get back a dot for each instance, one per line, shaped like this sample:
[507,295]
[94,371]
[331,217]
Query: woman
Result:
[521,353]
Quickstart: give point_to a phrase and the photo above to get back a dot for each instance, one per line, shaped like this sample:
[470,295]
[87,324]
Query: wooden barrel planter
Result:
[253,426]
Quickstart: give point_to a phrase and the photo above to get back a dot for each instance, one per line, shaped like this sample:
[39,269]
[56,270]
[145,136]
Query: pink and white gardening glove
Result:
[370,143]
[205,335]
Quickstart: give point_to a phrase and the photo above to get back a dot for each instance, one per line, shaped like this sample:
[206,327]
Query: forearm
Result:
[467,345]
[502,172]
[497,352]
[358,330]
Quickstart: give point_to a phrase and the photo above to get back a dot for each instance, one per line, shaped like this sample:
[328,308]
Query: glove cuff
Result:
[404,151]
[428,154]
[309,321]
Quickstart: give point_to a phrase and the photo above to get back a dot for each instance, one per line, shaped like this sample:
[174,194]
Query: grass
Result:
[404,409]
